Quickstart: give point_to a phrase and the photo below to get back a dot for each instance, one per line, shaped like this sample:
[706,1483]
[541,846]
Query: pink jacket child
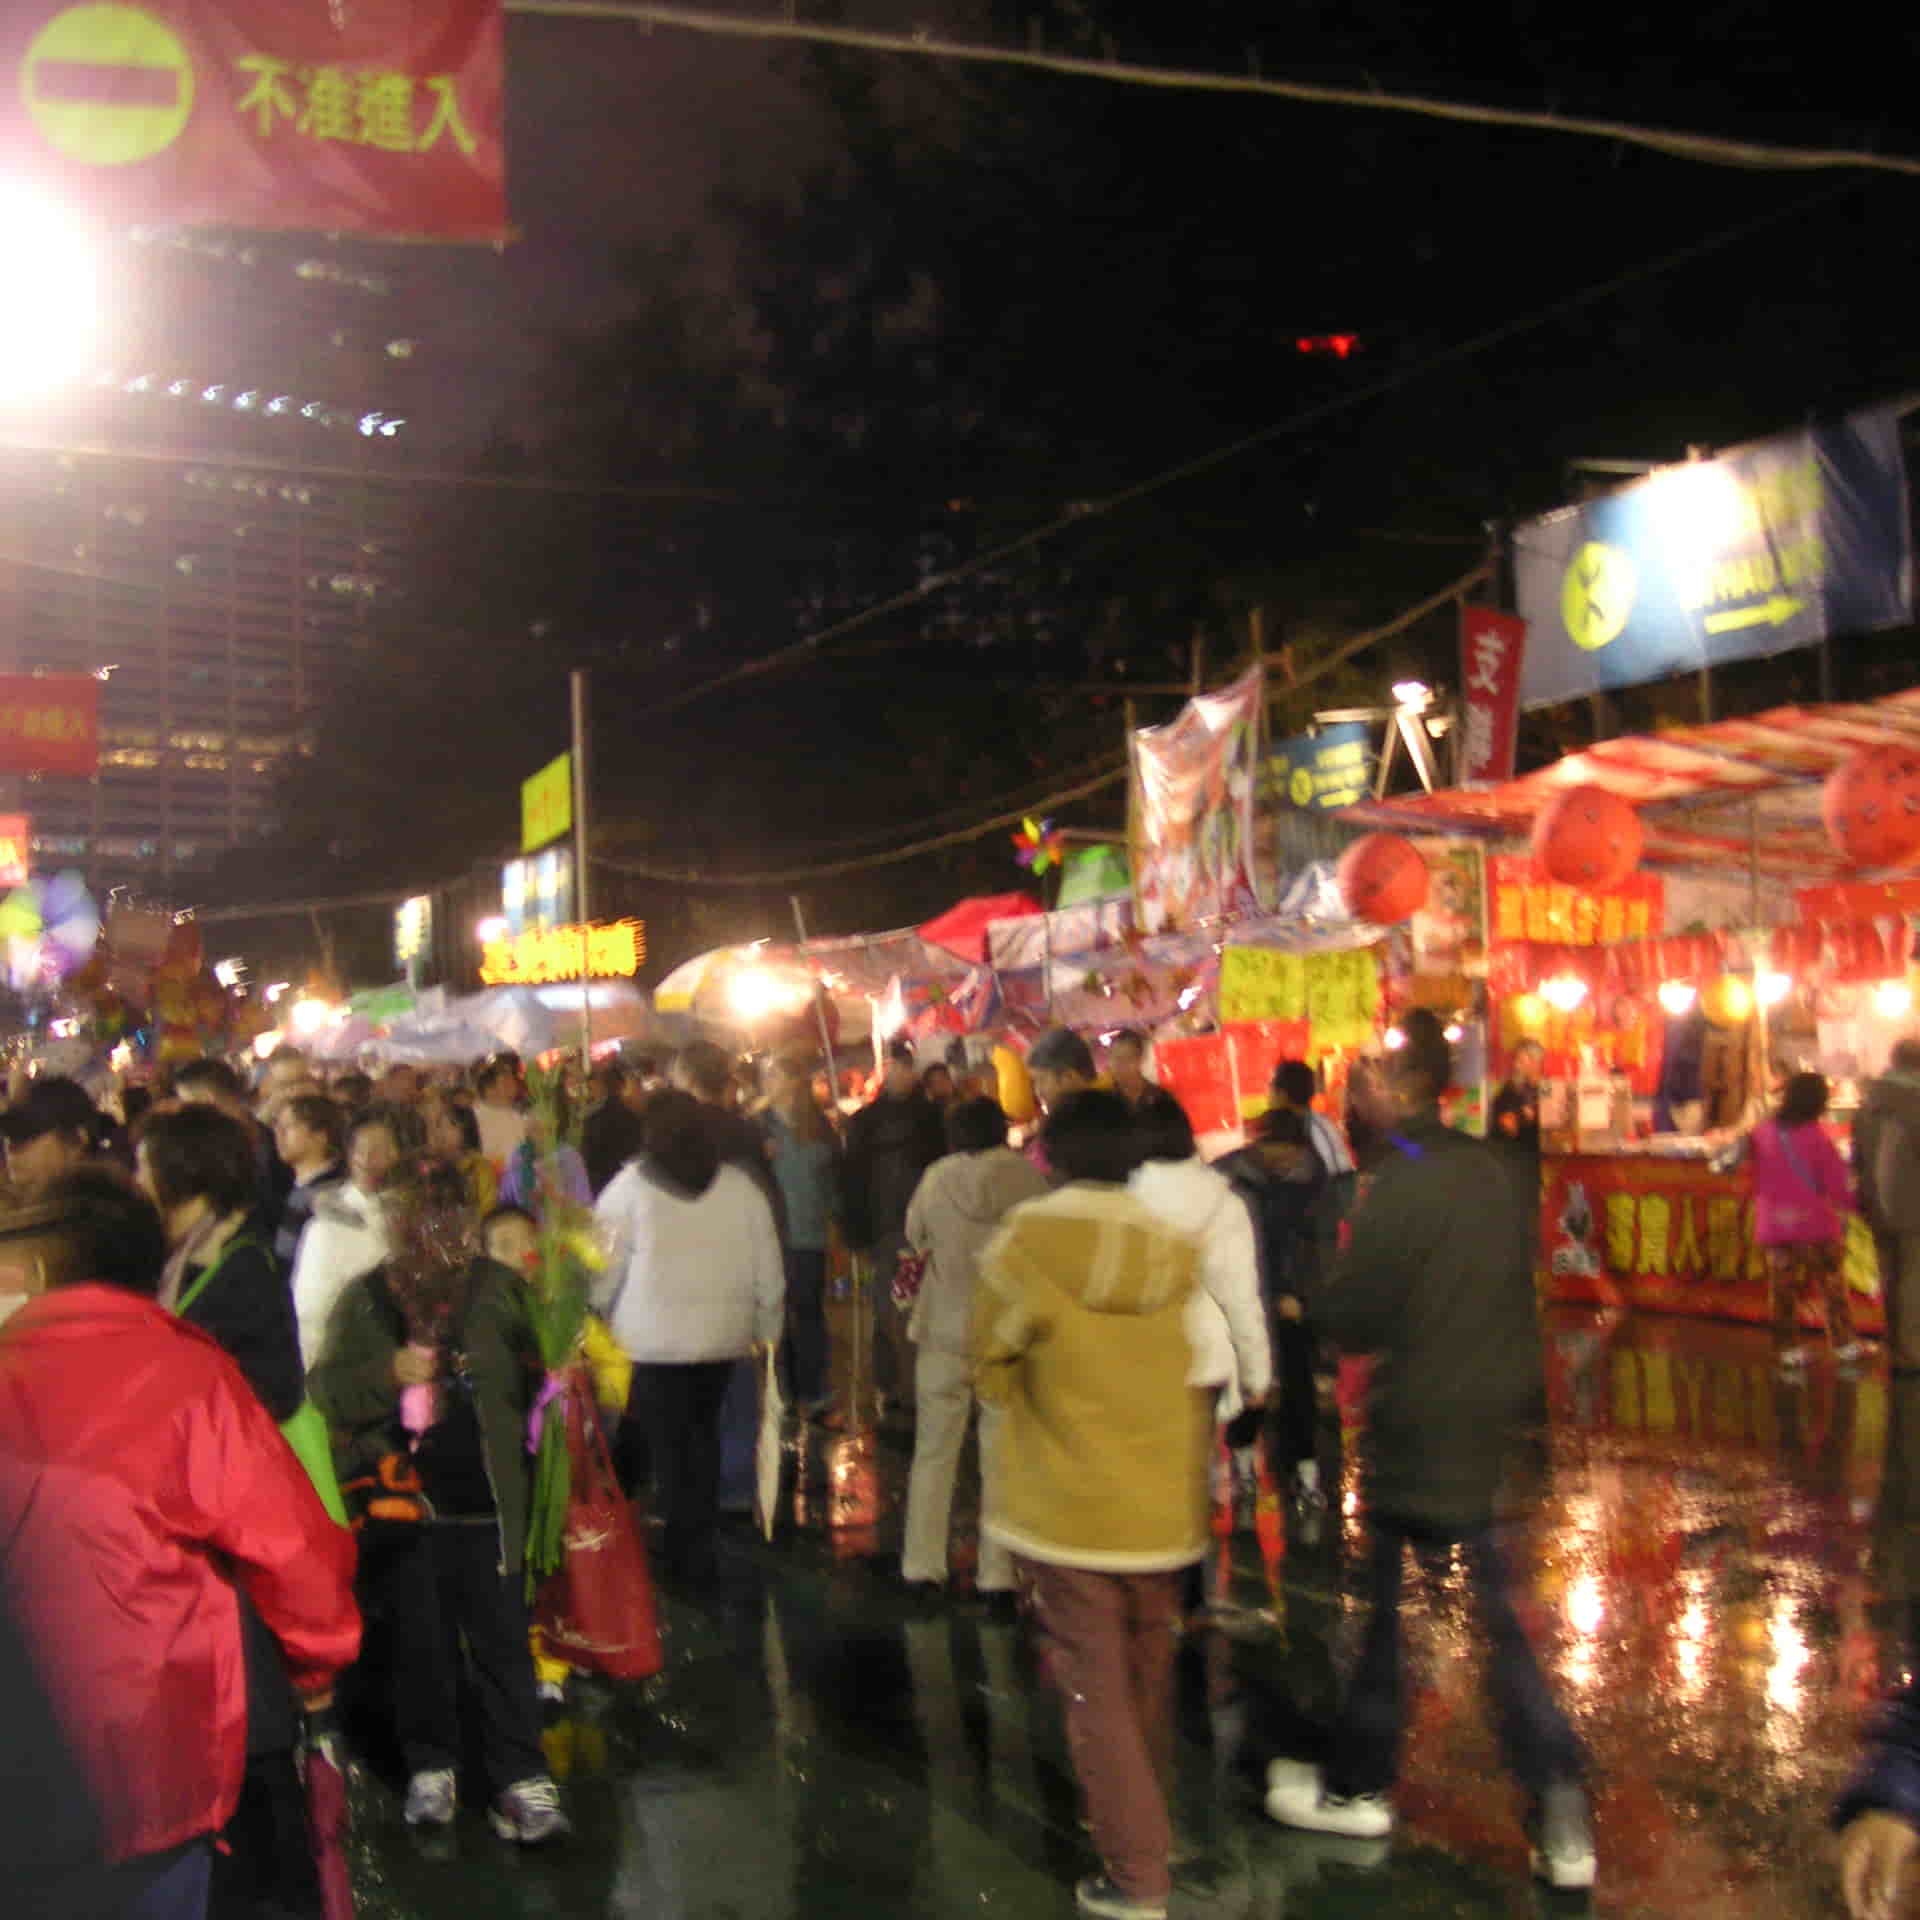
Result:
[1801,1192]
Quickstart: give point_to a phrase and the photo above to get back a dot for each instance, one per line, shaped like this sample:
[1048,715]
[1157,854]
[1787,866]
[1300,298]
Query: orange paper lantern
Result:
[1871,804]
[1383,879]
[1587,837]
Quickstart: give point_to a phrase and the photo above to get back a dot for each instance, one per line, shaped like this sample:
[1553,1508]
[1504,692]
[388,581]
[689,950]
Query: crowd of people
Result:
[267,1367]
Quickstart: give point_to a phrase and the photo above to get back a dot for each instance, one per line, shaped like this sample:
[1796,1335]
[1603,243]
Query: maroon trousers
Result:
[1108,1643]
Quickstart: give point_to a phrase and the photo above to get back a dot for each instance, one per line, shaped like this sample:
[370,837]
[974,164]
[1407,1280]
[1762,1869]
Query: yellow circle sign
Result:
[1300,787]
[107,85]
[1596,599]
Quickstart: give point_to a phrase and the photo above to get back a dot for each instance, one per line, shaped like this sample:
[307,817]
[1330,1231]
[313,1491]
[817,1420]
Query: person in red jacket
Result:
[141,1481]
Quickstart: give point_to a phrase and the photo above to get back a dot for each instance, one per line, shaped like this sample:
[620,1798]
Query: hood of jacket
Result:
[1187,1194]
[1101,1247]
[980,1187]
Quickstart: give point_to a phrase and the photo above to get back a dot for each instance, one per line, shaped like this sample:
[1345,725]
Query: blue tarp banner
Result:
[1328,768]
[1775,545]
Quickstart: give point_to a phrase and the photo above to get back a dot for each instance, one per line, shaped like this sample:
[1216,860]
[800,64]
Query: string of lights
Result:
[928,43]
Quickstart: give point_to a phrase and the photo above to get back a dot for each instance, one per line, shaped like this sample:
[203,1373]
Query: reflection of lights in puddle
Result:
[1586,1609]
[1585,1606]
[1790,1656]
[1690,1636]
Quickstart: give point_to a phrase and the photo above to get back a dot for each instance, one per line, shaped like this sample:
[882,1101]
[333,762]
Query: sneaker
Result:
[1849,1350]
[433,1798]
[1563,1837]
[1298,1797]
[1790,1357]
[1099,1896]
[529,1812]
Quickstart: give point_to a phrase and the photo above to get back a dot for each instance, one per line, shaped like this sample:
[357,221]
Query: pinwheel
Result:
[1039,845]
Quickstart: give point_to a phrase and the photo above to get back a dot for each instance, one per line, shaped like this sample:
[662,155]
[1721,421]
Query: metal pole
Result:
[582,897]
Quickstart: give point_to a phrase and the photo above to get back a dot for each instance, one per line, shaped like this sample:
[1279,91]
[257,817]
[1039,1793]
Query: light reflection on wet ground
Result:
[1698,1574]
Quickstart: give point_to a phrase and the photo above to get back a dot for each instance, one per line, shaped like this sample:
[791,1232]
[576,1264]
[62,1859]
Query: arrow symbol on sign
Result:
[1774,611]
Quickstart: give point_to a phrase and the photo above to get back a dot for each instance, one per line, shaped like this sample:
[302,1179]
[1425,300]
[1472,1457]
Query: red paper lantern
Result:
[1587,837]
[1794,950]
[1383,879]
[1871,804]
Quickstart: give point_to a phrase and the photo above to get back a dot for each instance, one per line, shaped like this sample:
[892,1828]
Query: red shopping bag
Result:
[597,1612]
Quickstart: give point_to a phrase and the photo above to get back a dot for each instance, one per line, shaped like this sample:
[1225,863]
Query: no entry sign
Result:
[380,117]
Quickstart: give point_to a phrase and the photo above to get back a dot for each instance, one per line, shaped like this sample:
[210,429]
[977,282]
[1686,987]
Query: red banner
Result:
[49,723]
[383,116]
[1492,647]
[1670,1236]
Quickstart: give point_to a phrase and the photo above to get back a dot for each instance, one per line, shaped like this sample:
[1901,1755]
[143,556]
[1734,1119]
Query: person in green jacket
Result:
[425,1378]
[1437,1285]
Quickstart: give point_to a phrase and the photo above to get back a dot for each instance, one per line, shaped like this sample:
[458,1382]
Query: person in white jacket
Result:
[955,1209]
[347,1236]
[693,1283]
[1177,1185]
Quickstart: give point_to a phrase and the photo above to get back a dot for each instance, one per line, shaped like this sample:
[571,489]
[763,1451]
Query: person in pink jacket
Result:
[1801,1196]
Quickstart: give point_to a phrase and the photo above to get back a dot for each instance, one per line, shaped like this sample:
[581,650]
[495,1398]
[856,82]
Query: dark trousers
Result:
[1295,1413]
[806,1354]
[678,1408]
[1540,1745]
[437,1586]
[155,1886]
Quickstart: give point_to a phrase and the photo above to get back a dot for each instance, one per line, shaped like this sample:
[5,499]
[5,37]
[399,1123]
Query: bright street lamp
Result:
[50,317]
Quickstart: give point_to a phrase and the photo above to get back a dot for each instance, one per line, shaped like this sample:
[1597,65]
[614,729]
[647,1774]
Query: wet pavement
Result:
[1699,1576]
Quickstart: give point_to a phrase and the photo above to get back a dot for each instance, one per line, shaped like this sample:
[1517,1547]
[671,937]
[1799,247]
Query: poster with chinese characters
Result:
[1670,1236]
[382,117]
[49,723]
[1526,905]
[1191,828]
[1492,647]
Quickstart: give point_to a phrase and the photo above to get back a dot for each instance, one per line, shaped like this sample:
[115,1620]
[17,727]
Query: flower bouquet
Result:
[567,1254]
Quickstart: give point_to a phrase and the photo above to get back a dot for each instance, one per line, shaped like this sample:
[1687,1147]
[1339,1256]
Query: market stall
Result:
[1671,990]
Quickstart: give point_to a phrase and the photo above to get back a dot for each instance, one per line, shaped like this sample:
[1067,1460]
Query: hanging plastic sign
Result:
[385,116]
[546,804]
[1329,768]
[1776,545]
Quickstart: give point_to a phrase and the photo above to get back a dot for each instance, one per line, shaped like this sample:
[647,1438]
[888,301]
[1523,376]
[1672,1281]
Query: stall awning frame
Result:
[1740,792]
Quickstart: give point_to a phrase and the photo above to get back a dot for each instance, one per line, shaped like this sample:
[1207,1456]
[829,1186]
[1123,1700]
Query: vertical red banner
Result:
[1492,647]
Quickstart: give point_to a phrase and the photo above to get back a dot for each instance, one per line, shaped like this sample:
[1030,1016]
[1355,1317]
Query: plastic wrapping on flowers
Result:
[568,1255]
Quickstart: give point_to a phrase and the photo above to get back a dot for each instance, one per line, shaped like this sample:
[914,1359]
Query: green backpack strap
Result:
[212,1267]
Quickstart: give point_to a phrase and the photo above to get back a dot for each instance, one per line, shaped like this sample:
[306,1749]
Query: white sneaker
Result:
[1297,1797]
[1791,1357]
[1849,1350]
[1563,1854]
[529,1812]
[433,1798]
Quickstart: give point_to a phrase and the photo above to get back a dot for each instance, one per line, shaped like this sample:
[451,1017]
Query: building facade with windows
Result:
[220,600]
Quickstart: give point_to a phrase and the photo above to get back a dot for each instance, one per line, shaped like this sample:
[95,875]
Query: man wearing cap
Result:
[52,1130]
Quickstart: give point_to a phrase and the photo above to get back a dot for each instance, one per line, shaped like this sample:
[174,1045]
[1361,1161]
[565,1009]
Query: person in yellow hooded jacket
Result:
[1085,1335]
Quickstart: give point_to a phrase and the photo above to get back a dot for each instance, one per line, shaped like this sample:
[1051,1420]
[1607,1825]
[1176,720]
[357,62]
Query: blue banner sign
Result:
[1320,771]
[1775,545]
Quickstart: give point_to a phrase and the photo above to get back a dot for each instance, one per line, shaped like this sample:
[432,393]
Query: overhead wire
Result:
[812,645]
[928,43]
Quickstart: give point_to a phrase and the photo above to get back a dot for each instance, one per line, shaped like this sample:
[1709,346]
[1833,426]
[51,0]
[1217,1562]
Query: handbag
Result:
[909,1276]
[597,1612]
[305,1430]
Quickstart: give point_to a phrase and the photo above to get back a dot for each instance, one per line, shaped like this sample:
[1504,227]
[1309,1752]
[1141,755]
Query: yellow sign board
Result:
[603,950]
[546,804]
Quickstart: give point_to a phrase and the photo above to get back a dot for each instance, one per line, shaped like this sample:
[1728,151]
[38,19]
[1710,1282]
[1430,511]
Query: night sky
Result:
[889,313]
